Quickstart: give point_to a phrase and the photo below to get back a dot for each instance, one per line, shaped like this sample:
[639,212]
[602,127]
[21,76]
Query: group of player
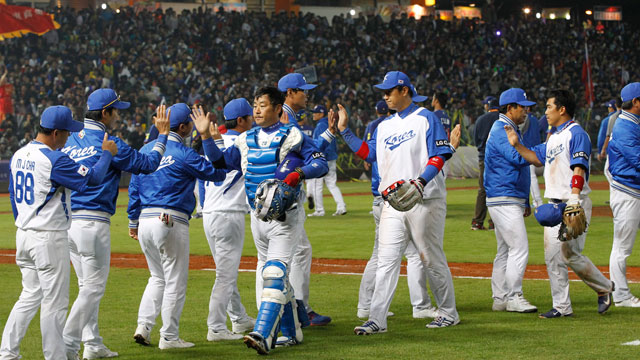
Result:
[259,168]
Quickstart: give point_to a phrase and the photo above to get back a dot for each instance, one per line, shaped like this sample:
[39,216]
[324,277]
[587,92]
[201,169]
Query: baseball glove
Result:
[273,199]
[403,195]
[574,223]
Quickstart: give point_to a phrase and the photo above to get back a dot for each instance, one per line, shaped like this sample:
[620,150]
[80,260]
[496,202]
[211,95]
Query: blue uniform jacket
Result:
[624,152]
[506,173]
[171,185]
[331,151]
[602,132]
[85,147]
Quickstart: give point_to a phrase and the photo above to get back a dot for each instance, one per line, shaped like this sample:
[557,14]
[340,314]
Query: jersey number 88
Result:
[24,188]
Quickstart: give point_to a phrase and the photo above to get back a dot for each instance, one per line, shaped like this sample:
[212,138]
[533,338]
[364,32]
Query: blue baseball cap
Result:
[515,95]
[179,114]
[488,99]
[294,81]
[152,135]
[319,109]
[611,103]
[398,78]
[630,92]
[59,117]
[105,98]
[382,107]
[237,108]
[550,214]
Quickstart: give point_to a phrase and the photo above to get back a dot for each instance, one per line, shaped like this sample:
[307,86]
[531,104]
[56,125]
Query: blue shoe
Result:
[318,320]
[605,300]
[303,318]
[552,314]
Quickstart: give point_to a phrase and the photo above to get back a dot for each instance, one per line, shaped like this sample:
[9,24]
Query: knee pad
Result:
[274,276]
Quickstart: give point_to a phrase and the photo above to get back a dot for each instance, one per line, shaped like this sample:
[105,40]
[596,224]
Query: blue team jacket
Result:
[331,151]
[623,151]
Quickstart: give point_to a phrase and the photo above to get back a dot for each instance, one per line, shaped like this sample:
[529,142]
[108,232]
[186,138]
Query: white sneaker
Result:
[340,212]
[364,314]
[633,302]
[521,305]
[499,305]
[174,344]
[368,328]
[222,335]
[442,322]
[98,353]
[142,335]
[243,326]
[429,312]
[316,213]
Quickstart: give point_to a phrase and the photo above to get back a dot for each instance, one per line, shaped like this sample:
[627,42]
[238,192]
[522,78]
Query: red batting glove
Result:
[292,179]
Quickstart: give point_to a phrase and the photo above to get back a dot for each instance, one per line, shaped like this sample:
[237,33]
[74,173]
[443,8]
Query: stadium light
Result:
[526,10]
[118,11]
[352,12]
[538,16]
[103,6]
[472,5]
[552,16]
[498,33]
[589,12]
[567,16]
[429,2]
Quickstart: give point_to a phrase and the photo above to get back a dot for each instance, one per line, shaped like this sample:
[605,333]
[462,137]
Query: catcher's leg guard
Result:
[290,324]
[273,300]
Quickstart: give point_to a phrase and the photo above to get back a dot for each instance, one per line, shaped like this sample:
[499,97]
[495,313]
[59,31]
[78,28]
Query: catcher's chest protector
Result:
[262,162]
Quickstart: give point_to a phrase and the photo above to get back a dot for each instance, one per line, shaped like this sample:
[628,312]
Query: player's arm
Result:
[323,136]
[229,159]
[580,151]
[134,207]
[77,177]
[315,163]
[529,155]
[627,144]
[130,160]
[11,196]
[366,150]
[438,149]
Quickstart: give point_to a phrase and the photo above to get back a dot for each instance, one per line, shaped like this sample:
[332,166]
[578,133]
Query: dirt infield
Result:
[333,266]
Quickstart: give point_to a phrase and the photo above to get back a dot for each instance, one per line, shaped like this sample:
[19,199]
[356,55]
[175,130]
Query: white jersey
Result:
[402,150]
[227,195]
[38,196]
[568,146]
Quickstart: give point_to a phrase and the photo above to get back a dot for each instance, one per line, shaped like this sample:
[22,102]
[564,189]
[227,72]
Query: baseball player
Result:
[38,190]
[159,215]
[624,167]
[530,138]
[416,271]
[480,135]
[507,180]
[565,156]
[89,235]
[331,152]
[438,103]
[610,123]
[294,87]
[257,153]
[412,144]
[602,131]
[224,207]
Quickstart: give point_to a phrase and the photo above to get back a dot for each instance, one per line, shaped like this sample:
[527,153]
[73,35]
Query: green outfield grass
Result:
[482,334]
[350,236]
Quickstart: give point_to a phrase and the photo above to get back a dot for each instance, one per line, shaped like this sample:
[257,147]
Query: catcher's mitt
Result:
[273,199]
[574,223]
[403,195]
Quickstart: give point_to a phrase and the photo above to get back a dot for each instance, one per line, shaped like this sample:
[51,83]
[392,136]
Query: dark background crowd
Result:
[209,57]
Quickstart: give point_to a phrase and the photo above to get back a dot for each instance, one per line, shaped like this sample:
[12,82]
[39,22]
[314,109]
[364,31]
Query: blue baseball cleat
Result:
[317,319]
[605,300]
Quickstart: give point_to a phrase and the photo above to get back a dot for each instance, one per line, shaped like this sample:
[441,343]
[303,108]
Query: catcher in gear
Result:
[566,155]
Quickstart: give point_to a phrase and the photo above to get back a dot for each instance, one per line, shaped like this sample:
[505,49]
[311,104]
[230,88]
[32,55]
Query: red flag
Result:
[16,21]
[586,77]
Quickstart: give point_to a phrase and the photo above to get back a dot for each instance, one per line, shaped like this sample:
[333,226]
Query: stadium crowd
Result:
[210,57]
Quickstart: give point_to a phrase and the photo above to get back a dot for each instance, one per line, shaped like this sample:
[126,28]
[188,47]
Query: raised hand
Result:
[213,128]
[512,135]
[161,120]
[333,119]
[343,118]
[109,145]
[455,137]
[201,121]
[284,118]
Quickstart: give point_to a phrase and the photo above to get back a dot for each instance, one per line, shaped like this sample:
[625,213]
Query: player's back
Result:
[227,195]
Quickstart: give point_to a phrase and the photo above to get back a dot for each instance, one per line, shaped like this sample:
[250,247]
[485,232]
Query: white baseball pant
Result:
[512,251]
[275,240]
[560,254]
[626,220]
[166,249]
[424,226]
[225,233]
[43,259]
[416,272]
[90,250]
[317,186]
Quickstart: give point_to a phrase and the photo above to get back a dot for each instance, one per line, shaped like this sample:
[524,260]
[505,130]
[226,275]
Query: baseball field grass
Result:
[482,334]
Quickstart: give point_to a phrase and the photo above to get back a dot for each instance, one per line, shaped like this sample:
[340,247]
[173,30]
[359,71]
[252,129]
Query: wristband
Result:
[437,162]
[577,181]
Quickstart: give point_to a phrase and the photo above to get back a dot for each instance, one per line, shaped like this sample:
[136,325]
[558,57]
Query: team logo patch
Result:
[79,154]
[396,140]
[166,161]
[317,155]
[83,170]
[81,134]
[580,154]
[442,142]
[553,153]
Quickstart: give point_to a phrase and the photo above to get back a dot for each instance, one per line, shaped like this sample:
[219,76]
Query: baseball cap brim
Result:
[74,126]
[121,105]
[308,87]
[419,98]
[384,86]
[526,103]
